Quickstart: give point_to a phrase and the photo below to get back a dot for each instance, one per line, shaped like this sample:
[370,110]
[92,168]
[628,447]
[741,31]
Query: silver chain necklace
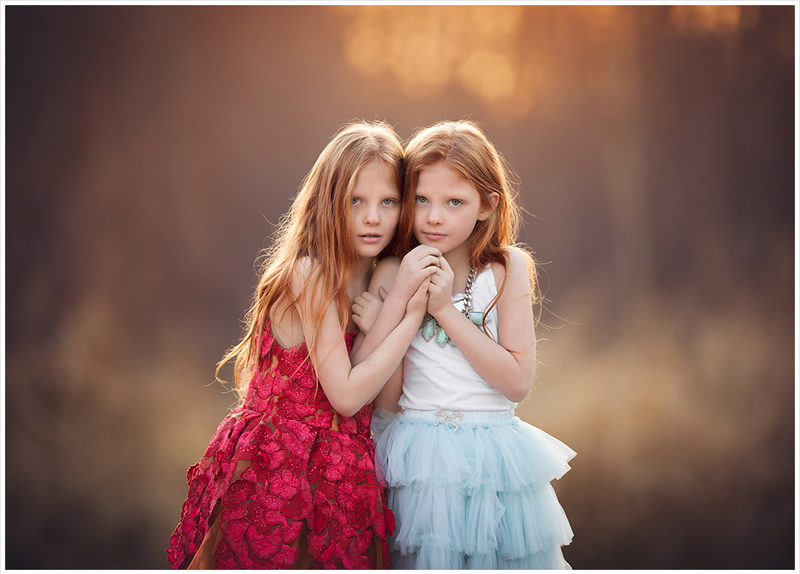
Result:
[430,326]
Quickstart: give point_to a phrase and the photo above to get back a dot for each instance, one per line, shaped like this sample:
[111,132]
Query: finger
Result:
[382,293]
[431,250]
[422,251]
[444,264]
[422,291]
[437,284]
[424,284]
[429,260]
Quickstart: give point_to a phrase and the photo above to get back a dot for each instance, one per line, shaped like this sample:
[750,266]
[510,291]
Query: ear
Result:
[486,210]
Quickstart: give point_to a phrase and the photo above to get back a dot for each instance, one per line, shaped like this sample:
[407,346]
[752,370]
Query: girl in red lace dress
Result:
[288,480]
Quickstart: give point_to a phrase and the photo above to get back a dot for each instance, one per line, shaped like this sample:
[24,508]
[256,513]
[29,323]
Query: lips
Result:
[370,237]
[434,236]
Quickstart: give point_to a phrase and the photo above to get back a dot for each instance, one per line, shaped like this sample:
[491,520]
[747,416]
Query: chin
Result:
[371,252]
[437,244]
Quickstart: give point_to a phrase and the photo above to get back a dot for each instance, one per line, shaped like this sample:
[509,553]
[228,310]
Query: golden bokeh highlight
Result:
[711,19]
[488,74]
[514,57]
[427,48]
[493,24]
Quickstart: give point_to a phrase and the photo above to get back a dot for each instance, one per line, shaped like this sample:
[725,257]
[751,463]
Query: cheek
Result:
[394,218]
[419,216]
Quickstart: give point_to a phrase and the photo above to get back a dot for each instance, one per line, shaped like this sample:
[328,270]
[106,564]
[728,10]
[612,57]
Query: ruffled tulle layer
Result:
[472,490]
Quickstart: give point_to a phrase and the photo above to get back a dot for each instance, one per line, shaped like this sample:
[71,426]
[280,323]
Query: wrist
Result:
[445,314]
[395,303]
[413,319]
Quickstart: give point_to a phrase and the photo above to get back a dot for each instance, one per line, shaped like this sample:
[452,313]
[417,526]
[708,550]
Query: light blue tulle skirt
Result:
[471,490]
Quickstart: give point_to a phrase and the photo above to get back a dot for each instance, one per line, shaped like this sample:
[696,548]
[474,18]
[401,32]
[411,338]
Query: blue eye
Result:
[455,202]
[389,201]
[355,201]
[421,199]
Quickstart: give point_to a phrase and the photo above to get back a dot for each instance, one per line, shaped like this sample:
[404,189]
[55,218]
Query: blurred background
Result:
[150,149]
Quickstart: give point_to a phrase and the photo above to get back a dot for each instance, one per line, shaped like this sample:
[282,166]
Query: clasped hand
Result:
[440,289]
[410,287]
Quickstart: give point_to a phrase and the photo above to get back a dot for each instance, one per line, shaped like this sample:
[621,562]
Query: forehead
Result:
[442,177]
[375,177]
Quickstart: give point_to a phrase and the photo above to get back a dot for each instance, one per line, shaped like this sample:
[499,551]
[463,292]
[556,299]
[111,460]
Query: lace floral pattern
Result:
[284,466]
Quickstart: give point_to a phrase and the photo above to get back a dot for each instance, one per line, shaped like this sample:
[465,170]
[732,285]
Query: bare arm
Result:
[369,306]
[508,365]
[400,280]
[349,388]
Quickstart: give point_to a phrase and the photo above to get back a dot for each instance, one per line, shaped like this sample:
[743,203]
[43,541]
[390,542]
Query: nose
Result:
[434,215]
[371,216]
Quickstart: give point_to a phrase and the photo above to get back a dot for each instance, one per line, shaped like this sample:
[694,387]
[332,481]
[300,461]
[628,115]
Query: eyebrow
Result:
[459,194]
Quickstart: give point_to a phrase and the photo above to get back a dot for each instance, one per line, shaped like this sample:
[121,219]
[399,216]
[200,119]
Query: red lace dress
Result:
[285,482]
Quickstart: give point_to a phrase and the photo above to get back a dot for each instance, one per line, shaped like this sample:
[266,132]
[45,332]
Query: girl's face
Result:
[446,208]
[375,209]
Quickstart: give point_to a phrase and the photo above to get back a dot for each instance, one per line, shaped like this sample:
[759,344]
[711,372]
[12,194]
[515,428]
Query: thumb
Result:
[423,287]
[382,293]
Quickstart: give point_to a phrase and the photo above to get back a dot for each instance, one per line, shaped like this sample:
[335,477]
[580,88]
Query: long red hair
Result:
[317,226]
[466,149]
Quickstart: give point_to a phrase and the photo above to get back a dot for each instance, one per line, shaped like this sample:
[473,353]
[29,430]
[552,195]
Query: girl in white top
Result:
[468,481]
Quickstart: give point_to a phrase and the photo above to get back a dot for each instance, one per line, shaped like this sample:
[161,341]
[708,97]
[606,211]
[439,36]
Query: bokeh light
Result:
[150,148]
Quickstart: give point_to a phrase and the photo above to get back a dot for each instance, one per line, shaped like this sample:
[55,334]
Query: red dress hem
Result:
[283,465]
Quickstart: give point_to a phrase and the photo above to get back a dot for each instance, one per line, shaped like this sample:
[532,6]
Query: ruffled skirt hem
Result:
[472,490]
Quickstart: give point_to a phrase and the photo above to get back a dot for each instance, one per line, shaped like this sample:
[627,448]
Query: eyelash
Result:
[387,202]
[452,202]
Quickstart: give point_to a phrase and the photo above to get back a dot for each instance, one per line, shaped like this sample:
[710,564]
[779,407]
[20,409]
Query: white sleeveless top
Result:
[437,377]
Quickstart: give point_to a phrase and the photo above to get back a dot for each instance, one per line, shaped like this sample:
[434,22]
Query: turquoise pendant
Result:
[477,318]
[428,328]
[441,337]
[432,330]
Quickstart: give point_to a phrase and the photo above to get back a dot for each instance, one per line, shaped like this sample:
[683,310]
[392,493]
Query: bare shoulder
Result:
[384,274]
[519,261]
[303,273]
[387,266]
[515,271]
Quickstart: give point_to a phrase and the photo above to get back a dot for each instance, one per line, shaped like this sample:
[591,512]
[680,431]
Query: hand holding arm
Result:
[347,387]
[402,281]
[365,309]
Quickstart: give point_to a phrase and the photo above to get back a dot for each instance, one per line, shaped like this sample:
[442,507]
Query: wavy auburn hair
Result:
[465,148]
[317,226]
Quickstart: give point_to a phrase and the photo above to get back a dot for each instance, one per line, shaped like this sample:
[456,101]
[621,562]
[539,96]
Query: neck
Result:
[458,259]
[361,276]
